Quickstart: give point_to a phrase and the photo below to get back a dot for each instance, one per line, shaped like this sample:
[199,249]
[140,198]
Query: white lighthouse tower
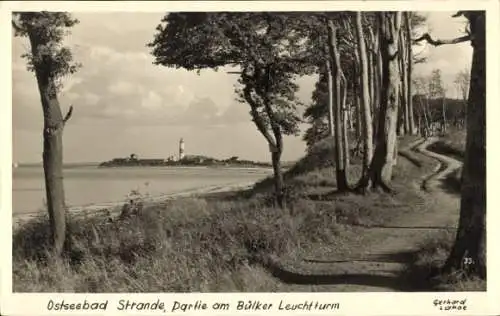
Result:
[181,149]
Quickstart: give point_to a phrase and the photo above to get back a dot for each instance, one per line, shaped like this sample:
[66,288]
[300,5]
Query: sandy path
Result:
[377,266]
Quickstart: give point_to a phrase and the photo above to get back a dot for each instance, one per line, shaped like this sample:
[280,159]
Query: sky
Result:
[124,104]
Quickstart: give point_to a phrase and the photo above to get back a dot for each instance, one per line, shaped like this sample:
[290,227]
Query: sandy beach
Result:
[113,209]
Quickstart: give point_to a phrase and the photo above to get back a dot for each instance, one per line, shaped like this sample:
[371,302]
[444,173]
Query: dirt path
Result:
[377,265]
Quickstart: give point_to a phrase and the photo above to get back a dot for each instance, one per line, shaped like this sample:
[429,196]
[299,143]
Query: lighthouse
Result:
[181,149]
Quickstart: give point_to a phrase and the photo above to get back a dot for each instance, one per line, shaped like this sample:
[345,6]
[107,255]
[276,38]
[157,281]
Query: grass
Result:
[191,245]
[451,144]
[213,244]
[424,270]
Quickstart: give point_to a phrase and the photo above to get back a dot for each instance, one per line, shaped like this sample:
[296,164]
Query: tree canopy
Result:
[46,31]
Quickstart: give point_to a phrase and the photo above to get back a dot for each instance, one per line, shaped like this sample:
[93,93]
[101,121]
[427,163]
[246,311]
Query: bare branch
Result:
[438,42]
[68,115]
[255,115]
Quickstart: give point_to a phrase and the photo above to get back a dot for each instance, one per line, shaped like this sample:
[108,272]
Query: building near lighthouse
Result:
[181,149]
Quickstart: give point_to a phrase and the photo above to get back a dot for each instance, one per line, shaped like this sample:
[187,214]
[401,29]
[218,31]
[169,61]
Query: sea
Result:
[91,185]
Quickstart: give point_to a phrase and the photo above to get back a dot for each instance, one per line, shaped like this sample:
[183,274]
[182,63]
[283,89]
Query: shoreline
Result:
[112,209]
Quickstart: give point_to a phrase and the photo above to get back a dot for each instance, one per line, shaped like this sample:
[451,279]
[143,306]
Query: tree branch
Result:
[437,42]
[68,115]
[255,115]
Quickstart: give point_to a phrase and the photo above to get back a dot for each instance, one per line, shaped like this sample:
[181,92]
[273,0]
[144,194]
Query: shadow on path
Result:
[405,227]
[328,196]
[399,257]
[392,281]
[391,254]
[451,185]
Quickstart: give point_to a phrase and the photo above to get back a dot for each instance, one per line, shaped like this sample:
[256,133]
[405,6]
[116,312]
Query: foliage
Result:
[317,113]
[267,47]
[455,111]
[436,88]
[45,31]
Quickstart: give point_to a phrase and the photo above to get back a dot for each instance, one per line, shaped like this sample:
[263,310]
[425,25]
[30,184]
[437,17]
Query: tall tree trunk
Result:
[404,83]
[469,250]
[330,97]
[359,119]
[428,115]
[426,119]
[383,157]
[357,88]
[350,120]
[341,174]
[444,114]
[365,104]
[278,177]
[371,82]
[53,168]
[52,151]
[275,143]
[400,130]
[409,60]
[345,132]
[357,98]
[378,86]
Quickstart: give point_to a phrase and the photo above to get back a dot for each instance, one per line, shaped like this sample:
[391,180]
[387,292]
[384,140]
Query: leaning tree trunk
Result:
[52,151]
[275,143]
[365,104]
[383,157]
[469,250]
[340,172]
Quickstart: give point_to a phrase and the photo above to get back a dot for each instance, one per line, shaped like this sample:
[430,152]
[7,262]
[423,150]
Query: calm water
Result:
[92,185]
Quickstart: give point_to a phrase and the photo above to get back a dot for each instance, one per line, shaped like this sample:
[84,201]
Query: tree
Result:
[341,163]
[50,61]
[422,96]
[365,101]
[320,47]
[384,155]
[437,91]
[412,21]
[462,82]
[318,113]
[469,250]
[267,47]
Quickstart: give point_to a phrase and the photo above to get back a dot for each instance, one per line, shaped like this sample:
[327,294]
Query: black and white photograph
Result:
[249,151]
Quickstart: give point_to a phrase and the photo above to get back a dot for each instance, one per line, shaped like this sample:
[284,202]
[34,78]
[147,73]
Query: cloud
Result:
[450,59]
[121,98]
[123,88]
